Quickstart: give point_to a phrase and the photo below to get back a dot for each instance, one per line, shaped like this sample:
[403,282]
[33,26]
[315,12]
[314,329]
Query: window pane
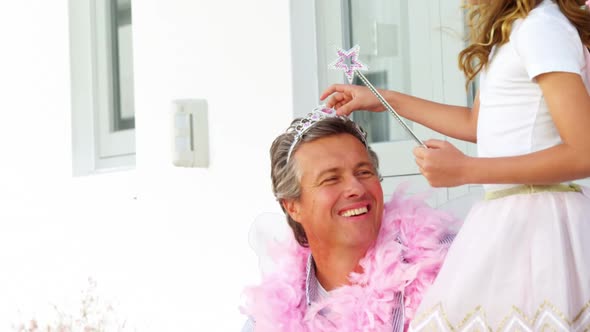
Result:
[382,29]
[122,65]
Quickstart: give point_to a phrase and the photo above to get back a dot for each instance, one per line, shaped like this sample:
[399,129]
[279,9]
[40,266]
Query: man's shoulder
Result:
[249,325]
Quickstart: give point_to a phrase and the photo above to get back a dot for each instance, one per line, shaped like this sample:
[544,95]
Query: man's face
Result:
[341,201]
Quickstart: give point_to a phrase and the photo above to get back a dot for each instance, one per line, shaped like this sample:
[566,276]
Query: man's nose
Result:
[354,187]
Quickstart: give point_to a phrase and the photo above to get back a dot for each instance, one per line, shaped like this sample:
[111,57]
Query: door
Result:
[410,46]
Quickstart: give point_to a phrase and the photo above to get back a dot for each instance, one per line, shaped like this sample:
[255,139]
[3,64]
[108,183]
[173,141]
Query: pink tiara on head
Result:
[318,114]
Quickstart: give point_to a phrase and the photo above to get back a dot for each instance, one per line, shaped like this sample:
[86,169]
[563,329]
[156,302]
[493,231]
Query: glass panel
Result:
[382,31]
[122,65]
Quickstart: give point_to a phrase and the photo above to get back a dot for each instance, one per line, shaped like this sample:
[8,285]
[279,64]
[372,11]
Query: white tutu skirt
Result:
[519,263]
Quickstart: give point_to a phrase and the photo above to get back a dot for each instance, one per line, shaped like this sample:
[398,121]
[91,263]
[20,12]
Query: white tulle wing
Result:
[267,228]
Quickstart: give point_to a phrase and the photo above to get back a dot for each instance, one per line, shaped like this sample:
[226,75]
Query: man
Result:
[354,264]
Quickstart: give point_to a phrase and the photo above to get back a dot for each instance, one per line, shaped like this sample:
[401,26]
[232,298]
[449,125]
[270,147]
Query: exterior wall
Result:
[168,244]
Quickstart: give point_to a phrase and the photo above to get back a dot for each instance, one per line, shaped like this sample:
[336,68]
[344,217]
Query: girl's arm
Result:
[454,121]
[569,105]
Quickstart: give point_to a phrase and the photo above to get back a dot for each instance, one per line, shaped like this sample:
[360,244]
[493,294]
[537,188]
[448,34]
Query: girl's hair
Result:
[490,23]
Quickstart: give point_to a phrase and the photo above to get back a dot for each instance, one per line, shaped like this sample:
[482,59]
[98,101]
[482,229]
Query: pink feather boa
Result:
[279,303]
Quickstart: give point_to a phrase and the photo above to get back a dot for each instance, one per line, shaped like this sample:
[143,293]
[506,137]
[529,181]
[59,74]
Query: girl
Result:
[522,259]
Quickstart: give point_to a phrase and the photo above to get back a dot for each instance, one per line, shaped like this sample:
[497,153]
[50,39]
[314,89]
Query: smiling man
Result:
[340,205]
[353,263]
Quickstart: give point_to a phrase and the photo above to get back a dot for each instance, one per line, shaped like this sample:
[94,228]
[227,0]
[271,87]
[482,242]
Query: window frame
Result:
[95,147]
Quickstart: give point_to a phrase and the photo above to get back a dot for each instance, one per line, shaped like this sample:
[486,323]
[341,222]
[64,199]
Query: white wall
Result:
[169,245]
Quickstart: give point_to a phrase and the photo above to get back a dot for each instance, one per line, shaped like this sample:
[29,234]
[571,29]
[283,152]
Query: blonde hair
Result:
[490,23]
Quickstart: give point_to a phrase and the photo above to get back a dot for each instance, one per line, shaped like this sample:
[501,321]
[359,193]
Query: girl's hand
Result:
[347,98]
[442,163]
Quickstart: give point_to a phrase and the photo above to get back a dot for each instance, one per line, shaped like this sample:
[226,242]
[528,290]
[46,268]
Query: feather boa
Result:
[279,303]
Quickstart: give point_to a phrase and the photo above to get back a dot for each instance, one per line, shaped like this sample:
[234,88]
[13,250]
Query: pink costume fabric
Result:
[405,259]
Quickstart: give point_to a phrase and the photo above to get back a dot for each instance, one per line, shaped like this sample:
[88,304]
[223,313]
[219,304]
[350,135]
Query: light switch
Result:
[190,141]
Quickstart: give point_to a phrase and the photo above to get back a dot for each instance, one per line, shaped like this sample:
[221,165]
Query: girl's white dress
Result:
[522,262]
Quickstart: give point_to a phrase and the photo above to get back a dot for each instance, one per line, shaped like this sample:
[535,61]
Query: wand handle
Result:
[388,107]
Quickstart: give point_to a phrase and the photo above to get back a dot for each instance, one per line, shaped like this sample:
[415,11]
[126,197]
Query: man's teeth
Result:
[355,212]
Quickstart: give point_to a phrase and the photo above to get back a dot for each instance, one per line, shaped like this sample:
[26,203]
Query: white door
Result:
[410,46]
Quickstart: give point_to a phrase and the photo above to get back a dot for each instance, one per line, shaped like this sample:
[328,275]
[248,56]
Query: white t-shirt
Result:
[513,116]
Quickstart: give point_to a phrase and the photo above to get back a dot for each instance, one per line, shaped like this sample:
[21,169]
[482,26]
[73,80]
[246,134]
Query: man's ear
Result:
[292,207]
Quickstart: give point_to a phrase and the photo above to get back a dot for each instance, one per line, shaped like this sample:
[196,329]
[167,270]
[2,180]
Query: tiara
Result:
[318,114]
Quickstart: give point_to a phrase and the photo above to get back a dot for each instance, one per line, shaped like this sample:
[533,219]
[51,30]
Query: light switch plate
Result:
[190,133]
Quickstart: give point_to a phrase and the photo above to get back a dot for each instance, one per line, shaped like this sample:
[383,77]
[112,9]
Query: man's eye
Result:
[365,173]
[330,180]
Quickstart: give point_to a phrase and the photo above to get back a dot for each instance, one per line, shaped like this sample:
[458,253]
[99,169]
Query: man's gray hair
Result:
[284,173]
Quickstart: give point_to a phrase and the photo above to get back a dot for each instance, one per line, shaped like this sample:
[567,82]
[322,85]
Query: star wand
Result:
[355,68]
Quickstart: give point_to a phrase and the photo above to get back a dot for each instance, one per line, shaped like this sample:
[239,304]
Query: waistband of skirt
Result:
[531,189]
